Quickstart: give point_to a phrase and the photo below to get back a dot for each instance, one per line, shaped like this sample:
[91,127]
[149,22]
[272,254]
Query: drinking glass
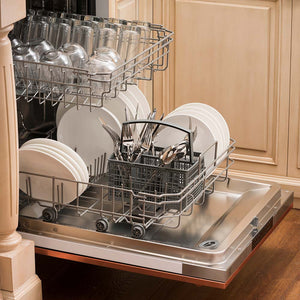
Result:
[100,82]
[141,23]
[15,42]
[41,46]
[107,37]
[47,13]
[101,21]
[128,47]
[118,27]
[30,12]
[26,72]
[118,24]
[112,54]
[63,35]
[60,31]
[38,31]
[23,29]
[74,19]
[53,26]
[145,34]
[128,44]
[54,73]
[76,53]
[143,28]
[84,36]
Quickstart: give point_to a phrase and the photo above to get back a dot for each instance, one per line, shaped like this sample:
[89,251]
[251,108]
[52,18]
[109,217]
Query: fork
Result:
[115,137]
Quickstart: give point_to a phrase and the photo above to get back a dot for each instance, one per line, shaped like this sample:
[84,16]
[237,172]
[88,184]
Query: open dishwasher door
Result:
[208,247]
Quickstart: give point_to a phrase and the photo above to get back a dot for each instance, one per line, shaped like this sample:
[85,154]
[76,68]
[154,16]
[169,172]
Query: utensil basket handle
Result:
[162,123]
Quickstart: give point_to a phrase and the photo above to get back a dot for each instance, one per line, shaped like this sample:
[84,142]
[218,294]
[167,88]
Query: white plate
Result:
[205,137]
[61,157]
[136,103]
[80,174]
[37,161]
[115,105]
[131,104]
[208,120]
[81,129]
[131,109]
[215,115]
[140,97]
[70,152]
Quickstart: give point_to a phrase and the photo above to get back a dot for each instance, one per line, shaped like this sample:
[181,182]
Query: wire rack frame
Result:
[37,80]
[119,204]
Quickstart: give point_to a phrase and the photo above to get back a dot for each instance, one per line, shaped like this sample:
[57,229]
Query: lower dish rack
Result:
[116,203]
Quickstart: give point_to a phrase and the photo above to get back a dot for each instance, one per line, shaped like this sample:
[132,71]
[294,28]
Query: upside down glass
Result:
[38,31]
[128,47]
[145,36]
[63,35]
[100,82]
[84,36]
[128,44]
[55,72]
[107,37]
[41,46]
[59,32]
[76,53]
[109,53]
[26,72]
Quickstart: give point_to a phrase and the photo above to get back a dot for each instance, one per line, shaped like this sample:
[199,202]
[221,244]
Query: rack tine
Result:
[95,166]
[98,165]
[104,161]
[190,123]
[101,165]
[57,191]
[135,117]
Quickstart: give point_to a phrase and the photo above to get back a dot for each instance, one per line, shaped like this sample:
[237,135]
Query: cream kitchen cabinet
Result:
[235,55]
[294,118]
[294,140]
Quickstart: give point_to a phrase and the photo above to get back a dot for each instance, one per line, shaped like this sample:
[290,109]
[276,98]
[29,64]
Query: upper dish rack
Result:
[32,85]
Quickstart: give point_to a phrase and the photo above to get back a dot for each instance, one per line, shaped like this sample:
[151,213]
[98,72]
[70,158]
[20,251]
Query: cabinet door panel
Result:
[294,129]
[235,56]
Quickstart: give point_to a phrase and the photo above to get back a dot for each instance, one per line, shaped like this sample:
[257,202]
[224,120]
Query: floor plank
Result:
[272,273]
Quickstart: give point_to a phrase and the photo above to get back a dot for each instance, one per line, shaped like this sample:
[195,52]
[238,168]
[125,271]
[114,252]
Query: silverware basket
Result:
[146,175]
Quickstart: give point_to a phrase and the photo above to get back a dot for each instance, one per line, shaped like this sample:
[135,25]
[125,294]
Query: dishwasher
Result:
[193,223]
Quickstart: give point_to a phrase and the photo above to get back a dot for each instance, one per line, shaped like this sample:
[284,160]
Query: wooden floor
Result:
[272,273]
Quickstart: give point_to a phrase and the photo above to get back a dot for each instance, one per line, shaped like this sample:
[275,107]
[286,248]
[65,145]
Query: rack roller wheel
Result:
[49,214]
[102,224]
[137,231]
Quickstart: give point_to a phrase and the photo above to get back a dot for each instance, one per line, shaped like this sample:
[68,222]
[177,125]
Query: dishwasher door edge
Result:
[218,275]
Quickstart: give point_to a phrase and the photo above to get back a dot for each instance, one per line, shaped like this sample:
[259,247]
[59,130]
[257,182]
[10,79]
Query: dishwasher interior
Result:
[204,230]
